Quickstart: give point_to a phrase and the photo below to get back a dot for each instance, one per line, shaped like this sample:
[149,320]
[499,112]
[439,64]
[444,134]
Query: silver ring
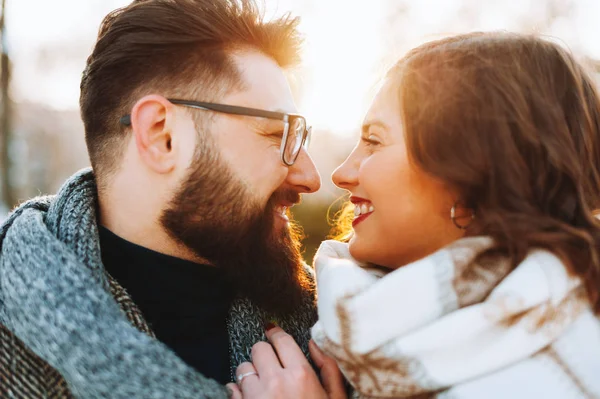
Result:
[241,377]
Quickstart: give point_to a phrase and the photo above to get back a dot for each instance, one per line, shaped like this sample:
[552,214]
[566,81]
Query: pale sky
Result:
[346,41]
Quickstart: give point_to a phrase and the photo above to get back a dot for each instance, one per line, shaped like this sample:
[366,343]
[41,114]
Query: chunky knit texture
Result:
[67,328]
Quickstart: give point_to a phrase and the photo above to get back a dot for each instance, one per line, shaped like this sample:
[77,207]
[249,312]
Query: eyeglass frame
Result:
[246,111]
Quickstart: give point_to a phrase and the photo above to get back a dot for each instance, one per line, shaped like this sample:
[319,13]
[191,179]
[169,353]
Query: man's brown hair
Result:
[513,123]
[177,48]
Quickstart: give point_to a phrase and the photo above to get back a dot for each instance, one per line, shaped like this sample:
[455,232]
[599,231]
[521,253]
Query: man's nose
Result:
[303,174]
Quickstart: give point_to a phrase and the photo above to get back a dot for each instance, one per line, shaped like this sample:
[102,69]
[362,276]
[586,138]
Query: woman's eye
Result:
[371,140]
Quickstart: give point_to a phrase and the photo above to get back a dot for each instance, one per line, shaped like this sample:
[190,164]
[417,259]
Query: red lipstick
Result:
[358,201]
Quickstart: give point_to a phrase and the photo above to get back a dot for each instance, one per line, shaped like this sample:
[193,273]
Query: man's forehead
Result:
[265,85]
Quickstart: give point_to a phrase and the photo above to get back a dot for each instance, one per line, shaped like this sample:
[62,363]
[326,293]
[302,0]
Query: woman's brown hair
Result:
[512,122]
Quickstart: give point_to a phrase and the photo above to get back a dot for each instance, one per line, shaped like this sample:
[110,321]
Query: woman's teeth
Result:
[362,209]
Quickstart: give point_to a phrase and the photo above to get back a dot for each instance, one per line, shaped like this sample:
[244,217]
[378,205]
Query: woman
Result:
[473,186]
[475,180]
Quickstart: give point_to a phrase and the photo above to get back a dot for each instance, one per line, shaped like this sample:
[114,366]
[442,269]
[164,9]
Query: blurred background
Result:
[349,45]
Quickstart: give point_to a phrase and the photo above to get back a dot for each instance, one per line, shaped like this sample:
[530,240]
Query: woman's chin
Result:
[360,251]
[354,246]
[370,253]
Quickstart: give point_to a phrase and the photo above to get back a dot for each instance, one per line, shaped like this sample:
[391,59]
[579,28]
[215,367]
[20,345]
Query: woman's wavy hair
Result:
[512,122]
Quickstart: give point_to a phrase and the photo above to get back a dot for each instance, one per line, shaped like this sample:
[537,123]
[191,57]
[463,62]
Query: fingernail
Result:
[270,325]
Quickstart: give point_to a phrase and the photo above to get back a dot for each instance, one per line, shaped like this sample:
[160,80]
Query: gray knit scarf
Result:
[55,297]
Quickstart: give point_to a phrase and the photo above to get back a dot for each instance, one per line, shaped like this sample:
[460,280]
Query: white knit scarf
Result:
[449,325]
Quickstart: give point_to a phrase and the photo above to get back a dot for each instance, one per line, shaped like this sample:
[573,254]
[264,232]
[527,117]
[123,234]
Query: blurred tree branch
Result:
[6,188]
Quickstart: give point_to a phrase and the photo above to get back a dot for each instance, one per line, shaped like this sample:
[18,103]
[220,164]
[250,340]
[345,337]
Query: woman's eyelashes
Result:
[371,141]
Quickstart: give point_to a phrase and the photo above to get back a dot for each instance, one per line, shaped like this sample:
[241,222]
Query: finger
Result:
[331,376]
[245,375]
[234,391]
[288,351]
[316,354]
[265,359]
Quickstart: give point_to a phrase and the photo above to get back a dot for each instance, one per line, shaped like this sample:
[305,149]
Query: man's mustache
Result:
[284,196]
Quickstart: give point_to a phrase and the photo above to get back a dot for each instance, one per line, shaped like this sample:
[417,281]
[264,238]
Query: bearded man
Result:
[182,223]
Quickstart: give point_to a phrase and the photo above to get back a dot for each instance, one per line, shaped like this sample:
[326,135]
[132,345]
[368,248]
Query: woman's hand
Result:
[331,376]
[280,370]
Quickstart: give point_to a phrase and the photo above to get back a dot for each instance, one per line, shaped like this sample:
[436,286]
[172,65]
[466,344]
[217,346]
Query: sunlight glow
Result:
[341,55]
[346,45]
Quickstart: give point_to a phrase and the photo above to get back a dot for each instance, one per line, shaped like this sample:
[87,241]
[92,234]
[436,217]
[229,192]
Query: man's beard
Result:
[215,215]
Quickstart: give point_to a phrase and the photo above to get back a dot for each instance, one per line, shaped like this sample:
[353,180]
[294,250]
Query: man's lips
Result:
[282,209]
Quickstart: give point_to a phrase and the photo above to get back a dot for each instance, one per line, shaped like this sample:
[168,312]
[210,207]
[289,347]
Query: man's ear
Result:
[152,119]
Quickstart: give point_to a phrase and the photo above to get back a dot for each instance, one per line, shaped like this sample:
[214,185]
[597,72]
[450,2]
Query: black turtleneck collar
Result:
[185,303]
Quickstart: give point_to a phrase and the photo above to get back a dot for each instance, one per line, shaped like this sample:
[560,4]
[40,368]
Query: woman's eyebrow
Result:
[373,122]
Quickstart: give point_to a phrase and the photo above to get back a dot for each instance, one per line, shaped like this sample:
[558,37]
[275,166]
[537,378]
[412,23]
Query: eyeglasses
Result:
[295,133]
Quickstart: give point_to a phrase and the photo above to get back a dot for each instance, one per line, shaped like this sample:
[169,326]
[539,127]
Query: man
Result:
[197,155]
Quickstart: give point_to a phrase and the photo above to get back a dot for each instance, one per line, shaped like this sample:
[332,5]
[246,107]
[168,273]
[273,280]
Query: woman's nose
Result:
[346,175]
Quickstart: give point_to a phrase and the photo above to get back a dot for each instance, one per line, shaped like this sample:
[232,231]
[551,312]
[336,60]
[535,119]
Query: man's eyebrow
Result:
[266,125]
[373,122]
[279,110]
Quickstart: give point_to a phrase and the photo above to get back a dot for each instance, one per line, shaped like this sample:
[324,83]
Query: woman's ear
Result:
[152,119]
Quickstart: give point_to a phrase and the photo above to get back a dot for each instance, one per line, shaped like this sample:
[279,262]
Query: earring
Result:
[453,217]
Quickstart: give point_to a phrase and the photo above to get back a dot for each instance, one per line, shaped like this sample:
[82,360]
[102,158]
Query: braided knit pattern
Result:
[68,330]
[246,327]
